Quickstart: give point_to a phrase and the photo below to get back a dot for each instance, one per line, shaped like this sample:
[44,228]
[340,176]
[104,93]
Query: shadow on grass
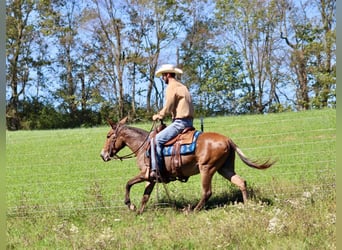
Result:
[228,197]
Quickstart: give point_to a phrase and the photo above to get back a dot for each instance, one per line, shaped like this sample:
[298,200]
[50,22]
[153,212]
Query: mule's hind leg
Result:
[241,183]
[227,173]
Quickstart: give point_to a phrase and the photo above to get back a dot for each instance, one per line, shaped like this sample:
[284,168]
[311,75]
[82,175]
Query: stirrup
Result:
[154,174]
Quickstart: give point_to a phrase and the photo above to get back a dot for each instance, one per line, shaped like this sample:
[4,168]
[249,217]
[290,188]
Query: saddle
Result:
[173,147]
[186,137]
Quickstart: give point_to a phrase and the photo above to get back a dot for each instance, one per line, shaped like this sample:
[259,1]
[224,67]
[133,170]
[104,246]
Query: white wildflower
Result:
[273,224]
[106,236]
[307,195]
[73,229]
[331,218]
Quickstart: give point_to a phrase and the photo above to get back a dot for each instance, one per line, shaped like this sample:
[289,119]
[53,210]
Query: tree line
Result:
[76,63]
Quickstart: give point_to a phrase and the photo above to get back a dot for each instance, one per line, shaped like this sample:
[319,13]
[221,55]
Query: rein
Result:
[132,154]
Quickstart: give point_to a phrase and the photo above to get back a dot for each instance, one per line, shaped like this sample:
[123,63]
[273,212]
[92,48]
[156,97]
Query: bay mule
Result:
[213,153]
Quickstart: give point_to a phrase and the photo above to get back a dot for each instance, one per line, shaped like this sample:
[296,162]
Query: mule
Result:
[213,153]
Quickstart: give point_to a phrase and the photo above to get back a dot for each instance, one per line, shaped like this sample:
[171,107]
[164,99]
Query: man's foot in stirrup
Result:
[154,174]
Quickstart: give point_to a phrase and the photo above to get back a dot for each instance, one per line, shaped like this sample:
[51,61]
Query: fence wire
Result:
[68,175]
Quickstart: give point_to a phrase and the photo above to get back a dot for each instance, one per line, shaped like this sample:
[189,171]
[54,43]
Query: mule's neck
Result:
[135,138]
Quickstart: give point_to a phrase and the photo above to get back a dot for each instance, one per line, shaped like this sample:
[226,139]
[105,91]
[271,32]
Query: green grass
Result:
[61,195]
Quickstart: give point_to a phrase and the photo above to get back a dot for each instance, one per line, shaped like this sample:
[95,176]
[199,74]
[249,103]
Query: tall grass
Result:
[60,195]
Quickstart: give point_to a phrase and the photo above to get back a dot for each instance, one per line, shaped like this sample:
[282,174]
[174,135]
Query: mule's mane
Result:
[138,131]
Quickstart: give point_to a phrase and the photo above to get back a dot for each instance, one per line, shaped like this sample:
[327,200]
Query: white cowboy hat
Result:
[168,68]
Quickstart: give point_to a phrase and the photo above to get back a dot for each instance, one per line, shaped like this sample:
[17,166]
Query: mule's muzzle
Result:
[105,156]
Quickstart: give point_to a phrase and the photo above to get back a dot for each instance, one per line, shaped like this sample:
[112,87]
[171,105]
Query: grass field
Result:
[61,195]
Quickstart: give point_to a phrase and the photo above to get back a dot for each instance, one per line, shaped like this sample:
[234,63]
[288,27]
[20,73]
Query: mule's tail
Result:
[254,164]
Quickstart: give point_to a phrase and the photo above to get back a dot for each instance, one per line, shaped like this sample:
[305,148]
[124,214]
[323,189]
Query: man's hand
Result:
[156,117]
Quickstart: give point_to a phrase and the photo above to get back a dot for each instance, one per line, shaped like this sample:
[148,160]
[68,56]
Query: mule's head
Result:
[114,141]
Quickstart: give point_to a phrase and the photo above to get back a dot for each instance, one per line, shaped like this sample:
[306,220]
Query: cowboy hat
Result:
[168,68]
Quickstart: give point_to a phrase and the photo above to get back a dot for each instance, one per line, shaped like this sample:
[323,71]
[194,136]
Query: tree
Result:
[299,53]
[249,27]
[66,59]
[107,43]
[312,42]
[203,68]
[200,58]
[72,63]
[157,24]
[323,62]
[20,35]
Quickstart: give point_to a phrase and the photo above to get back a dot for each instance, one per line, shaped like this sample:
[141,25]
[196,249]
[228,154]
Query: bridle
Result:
[132,154]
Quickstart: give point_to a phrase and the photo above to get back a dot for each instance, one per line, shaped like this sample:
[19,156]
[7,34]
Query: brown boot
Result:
[154,174]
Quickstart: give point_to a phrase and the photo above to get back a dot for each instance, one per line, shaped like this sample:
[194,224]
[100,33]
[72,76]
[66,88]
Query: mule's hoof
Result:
[186,210]
[132,207]
[140,212]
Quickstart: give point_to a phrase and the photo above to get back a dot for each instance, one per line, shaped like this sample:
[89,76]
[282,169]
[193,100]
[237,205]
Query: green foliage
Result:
[37,115]
[34,114]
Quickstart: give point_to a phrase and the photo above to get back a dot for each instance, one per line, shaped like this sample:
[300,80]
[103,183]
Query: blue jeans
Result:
[175,128]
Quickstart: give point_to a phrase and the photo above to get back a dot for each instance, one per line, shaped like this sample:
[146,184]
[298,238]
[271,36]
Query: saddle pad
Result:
[185,148]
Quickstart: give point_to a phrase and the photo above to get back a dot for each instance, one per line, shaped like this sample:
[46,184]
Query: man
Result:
[178,103]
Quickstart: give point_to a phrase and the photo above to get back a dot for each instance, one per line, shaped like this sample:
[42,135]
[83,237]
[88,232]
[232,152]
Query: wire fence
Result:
[61,171]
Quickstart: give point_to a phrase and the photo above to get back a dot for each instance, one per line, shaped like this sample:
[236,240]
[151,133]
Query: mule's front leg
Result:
[206,178]
[129,184]
[147,193]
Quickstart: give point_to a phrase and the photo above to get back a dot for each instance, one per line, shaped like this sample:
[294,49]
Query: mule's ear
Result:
[111,123]
[123,120]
